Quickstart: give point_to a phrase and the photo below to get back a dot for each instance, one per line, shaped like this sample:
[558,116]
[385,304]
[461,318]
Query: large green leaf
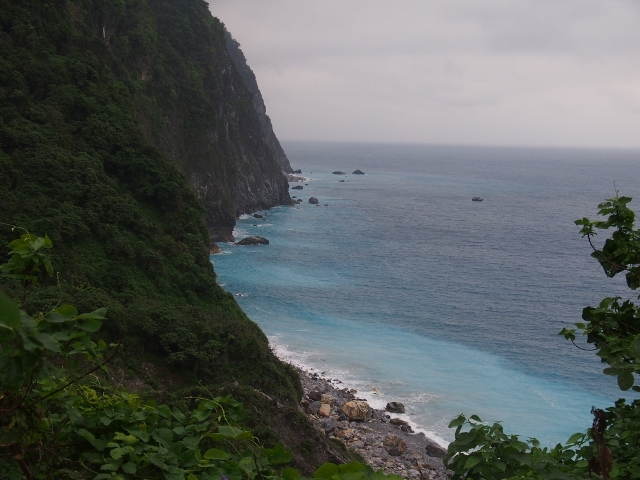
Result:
[9,312]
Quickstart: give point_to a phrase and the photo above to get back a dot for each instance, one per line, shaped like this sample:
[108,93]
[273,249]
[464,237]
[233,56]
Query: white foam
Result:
[374,396]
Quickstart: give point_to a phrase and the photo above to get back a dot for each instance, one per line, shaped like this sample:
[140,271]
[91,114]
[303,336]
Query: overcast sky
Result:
[490,72]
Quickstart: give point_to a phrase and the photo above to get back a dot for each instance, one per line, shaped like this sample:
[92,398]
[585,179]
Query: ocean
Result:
[399,285]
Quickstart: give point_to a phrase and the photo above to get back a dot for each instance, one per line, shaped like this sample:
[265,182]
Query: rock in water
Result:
[338,172]
[313,200]
[357,411]
[395,407]
[214,249]
[394,445]
[257,215]
[297,187]
[358,172]
[253,241]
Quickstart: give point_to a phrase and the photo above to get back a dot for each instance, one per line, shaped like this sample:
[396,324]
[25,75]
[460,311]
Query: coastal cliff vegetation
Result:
[129,139]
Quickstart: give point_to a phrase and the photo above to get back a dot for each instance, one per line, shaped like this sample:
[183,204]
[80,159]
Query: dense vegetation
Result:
[85,157]
[61,418]
[611,448]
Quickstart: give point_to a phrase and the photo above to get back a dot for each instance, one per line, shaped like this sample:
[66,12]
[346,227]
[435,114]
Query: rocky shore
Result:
[378,436]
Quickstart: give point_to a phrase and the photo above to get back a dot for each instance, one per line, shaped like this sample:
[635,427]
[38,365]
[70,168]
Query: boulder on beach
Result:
[357,411]
[338,172]
[398,421]
[327,398]
[313,200]
[358,172]
[297,187]
[315,395]
[394,445]
[324,410]
[395,407]
[256,240]
[313,408]
[434,450]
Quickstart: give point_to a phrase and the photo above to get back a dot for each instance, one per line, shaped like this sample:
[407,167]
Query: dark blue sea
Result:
[399,285]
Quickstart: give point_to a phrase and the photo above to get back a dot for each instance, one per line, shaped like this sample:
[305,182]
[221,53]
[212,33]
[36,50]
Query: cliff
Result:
[251,83]
[128,136]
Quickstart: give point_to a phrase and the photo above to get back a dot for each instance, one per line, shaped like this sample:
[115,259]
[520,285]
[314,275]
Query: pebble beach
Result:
[380,437]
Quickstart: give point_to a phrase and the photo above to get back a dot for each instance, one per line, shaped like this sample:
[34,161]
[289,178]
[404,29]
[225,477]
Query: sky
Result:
[562,73]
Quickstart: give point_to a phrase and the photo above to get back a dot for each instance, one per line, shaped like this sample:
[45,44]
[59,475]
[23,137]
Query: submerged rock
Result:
[256,240]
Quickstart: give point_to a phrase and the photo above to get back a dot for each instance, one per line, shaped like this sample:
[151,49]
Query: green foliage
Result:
[59,420]
[610,448]
[90,93]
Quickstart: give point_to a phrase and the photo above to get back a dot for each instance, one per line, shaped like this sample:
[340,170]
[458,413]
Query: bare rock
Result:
[315,395]
[324,410]
[395,407]
[253,241]
[338,172]
[297,187]
[434,450]
[313,200]
[394,445]
[313,408]
[213,249]
[357,411]
[358,172]
[326,398]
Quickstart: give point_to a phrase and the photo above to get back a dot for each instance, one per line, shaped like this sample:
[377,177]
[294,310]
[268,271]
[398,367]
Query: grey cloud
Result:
[462,71]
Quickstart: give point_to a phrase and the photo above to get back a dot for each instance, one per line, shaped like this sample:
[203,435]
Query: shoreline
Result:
[383,439]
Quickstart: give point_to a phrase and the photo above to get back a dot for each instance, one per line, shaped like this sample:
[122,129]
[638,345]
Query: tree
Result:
[610,448]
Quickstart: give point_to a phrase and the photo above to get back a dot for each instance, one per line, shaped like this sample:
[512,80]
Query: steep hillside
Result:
[110,113]
[250,81]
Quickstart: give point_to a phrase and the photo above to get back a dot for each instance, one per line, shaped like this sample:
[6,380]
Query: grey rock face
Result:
[249,79]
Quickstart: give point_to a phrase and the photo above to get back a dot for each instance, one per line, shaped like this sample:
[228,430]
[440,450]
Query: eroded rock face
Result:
[357,411]
[394,445]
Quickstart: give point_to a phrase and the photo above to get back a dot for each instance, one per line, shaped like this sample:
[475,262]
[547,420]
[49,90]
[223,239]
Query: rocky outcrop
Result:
[395,407]
[255,240]
[358,172]
[250,82]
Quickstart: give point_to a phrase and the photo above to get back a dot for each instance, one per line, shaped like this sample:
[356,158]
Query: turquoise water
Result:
[405,289]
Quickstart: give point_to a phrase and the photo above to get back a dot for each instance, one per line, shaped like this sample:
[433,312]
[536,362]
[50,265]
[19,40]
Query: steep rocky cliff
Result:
[226,149]
[250,81]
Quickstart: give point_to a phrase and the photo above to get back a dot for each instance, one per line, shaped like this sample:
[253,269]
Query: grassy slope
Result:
[78,163]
